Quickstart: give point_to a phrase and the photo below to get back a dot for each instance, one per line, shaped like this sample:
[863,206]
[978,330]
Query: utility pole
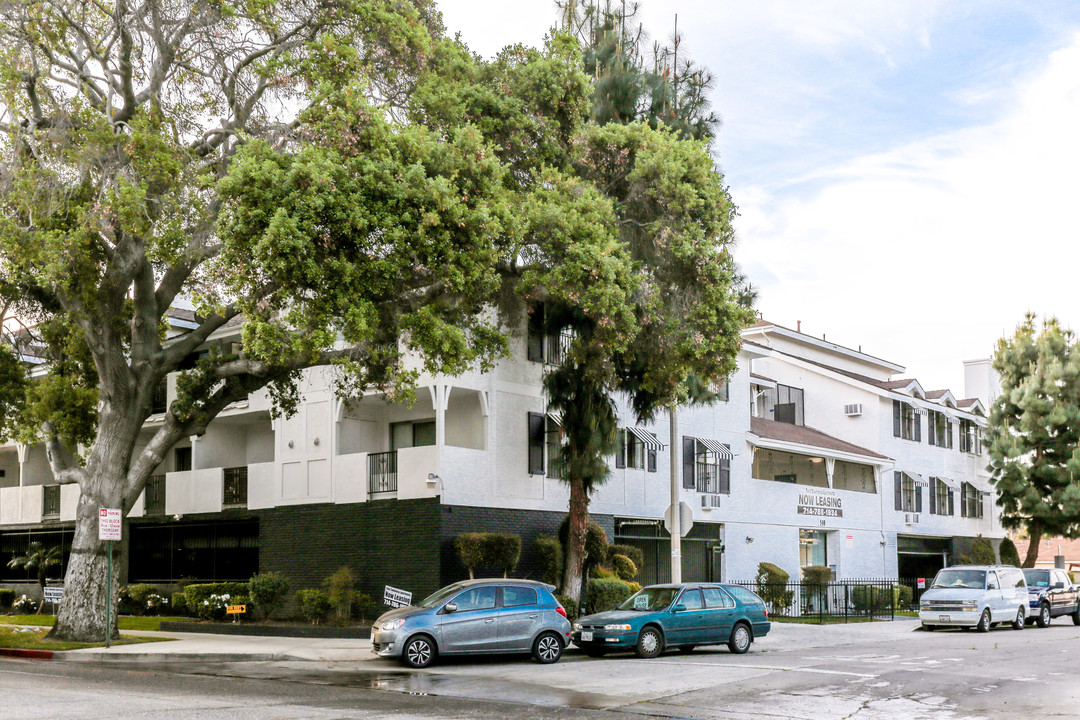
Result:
[676,526]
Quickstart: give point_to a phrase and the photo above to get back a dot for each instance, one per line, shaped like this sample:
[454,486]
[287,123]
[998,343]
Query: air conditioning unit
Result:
[708,502]
[911,518]
[853,409]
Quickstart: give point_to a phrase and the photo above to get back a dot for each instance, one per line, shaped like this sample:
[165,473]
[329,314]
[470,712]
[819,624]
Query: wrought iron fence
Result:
[382,472]
[235,487]
[839,600]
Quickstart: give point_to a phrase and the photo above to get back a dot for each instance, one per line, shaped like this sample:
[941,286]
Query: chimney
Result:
[798,326]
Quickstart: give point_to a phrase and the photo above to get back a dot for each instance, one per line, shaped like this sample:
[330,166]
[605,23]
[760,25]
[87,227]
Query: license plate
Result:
[586,636]
[944,618]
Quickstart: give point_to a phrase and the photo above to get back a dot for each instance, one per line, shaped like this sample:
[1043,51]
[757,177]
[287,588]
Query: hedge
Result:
[132,600]
[596,542]
[549,556]
[268,591]
[7,597]
[1009,555]
[194,595]
[624,567]
[634,553]
[488,550]
[816,576]
[870,598]
[771,584]
[602,594]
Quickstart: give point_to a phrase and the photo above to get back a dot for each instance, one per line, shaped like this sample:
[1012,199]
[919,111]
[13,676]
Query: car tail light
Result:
[561,610]
[766,612]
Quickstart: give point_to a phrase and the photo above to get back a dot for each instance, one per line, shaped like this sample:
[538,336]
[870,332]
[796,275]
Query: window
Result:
[631,452]
[414,433]
[908,494]
[182,459]
[812,549]
[706,466]
[542,345]
[536,430]
[50,502]
[971,504]
[723,392]
[691,599]
[906,421]
[554,437]
[517,596]
[784,404]
[970,442]
[853,476]
[744,596]
[159,401]
[781,466]
[155,495]
[939,430]
[620,448]
[717,598]
[478,598]
[941,497]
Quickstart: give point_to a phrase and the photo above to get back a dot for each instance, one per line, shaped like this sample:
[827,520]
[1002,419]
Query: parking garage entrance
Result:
[702,550]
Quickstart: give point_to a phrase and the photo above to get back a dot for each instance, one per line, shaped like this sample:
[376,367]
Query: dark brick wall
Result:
[526,523]
[391,542]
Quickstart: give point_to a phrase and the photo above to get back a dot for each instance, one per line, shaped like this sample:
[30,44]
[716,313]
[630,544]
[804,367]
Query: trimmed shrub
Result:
[601,572]
[596,542]
[570,606]
[869,598]
[634,553]
[624,567]
[7,596]
[771,585]
[903,597]
[817,575]
[549,555]
[603,594]
[268,590]
[180,603]
[488,550]
[196,594]
[341,591]
[313,604]
[132,598]
[978,551]
[634,587]
[1008,553]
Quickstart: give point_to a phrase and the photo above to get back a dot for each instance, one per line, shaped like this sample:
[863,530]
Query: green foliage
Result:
[873,599]
[313,604]
[630,551]
[7,597]
[366,608]
[570,605]
[197,595]
[488,550]
[976,551]
[341,591]
[816,575]
[604,594]
[179,603]
[903,596]
[596,542]
[624,567]
[1033,433]
[599,571]
[268,590]
[549,556]
[770,584]
[133,598]
[1008,553]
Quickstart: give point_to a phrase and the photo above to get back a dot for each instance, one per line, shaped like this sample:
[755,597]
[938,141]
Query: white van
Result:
[976,596]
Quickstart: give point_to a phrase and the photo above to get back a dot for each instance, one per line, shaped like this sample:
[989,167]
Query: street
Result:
[872,671]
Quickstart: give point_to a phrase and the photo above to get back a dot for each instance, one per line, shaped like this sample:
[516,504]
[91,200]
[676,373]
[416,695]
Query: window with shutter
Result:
[620,448]
[931,420]
[725,474]
[535,340]
[536,443]
[896,429]
[918,427]
[898,489]
[688,450]
[933,495]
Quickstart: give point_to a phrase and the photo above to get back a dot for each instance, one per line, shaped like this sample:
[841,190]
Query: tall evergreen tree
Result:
[1034,432]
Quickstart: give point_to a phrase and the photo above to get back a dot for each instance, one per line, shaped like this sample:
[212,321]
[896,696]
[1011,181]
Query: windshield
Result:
[439,595]
[974,579]
[1037,578]
[650,598]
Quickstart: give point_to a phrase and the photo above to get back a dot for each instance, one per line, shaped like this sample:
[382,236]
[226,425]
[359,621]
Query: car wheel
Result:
[740,639]
[1076,616]
[419,652]
[649,643]
[594,652]
[687,649]
[928,628]
[1044,616]
[1018,621]
[984,621]
[547,648]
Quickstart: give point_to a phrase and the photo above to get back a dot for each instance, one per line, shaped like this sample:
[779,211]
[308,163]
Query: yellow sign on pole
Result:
[235,609]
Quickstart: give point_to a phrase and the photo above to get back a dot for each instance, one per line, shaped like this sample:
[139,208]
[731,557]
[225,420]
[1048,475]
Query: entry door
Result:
[473,626]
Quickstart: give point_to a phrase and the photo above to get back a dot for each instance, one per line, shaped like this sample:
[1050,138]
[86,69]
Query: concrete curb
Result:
[28,654]
[168,658]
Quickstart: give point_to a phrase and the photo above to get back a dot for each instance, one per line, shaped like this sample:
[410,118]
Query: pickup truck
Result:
[1051,593]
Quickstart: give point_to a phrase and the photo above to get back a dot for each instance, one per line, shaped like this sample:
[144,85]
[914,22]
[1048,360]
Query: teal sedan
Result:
[676,616]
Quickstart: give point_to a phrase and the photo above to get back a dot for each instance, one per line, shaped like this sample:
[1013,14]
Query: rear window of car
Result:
[516,596]
[743,595]
[717,598]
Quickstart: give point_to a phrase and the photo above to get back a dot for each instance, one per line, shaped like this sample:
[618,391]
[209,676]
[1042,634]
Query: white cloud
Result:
[929,252]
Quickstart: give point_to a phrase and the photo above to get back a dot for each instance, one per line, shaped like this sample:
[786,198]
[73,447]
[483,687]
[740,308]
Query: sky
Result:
[907,173]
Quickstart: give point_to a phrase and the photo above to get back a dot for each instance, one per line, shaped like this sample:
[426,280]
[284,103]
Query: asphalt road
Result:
[879,672]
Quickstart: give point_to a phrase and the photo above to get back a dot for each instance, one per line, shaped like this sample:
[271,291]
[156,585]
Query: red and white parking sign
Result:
[109,524]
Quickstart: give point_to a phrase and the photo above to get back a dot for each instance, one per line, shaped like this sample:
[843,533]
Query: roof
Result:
[821,342]
[1048,548]
[803,435]
[935,394]
[755,376]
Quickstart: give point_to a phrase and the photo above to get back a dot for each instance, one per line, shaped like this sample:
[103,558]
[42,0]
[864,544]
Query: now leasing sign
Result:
[396,598]
[819,503]
[109,524]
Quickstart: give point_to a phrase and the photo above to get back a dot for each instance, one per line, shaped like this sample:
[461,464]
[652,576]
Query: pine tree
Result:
[1034,431]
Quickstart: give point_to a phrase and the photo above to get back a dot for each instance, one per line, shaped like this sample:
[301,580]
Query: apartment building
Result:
[814,455]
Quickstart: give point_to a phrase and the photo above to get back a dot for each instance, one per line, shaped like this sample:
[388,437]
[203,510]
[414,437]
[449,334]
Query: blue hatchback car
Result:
[676,616]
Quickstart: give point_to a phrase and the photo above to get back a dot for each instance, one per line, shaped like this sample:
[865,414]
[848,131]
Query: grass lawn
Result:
[126,622]
[31,639]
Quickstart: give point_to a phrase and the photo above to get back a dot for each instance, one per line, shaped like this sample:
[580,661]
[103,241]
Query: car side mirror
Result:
[450,607]
[991,586]
[678,608]
[1059,585]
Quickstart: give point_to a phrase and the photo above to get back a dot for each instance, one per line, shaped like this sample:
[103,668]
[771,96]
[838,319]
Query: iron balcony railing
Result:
[235,487]
[155,495]
[707,477]
[50,502]
[382,472]
[558,346]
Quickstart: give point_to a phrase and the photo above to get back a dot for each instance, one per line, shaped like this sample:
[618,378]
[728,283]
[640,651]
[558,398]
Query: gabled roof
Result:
[808,437]
[764,327]
[972,405]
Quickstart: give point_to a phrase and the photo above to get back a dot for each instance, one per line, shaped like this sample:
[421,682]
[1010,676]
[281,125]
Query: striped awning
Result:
[555,418]
[713,446]
[919,482]
[646,437]
[950,483]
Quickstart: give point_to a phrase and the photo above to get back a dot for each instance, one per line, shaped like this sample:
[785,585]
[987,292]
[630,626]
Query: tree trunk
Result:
[1034,538]
[575,539]
[82,613]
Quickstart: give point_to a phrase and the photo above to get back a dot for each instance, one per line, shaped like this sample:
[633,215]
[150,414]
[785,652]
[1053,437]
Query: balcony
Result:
[234,487]
[382,472]
[50,503]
